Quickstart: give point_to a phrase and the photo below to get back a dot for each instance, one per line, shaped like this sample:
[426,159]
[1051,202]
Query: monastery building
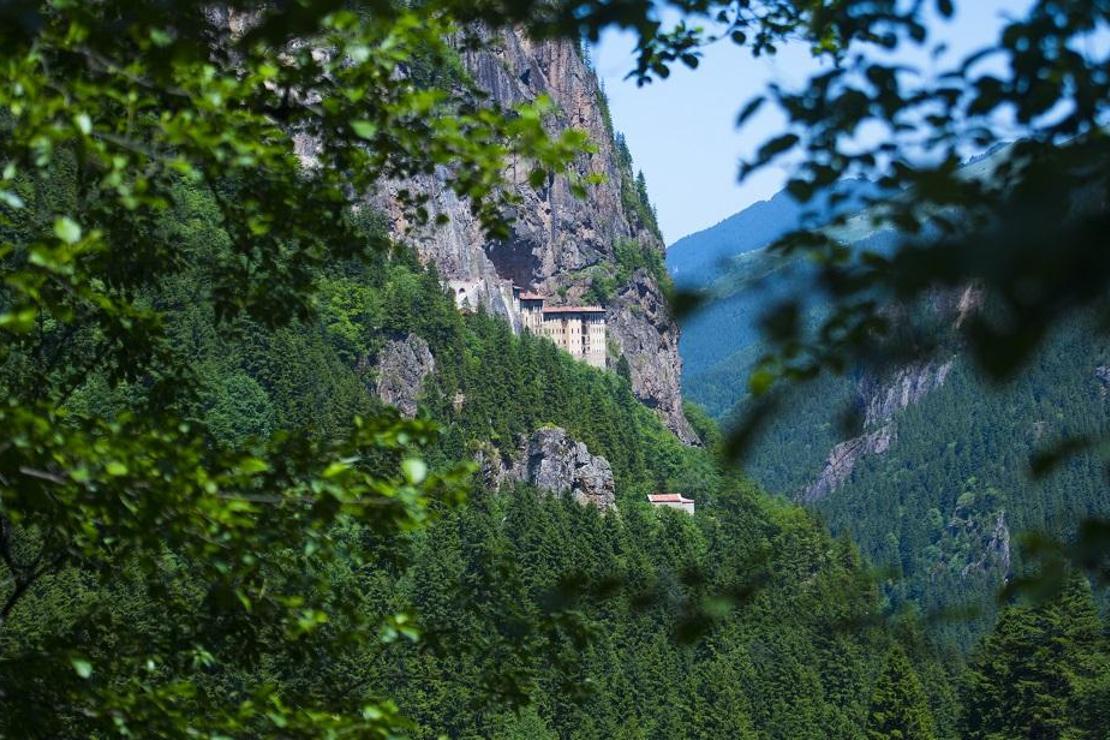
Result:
[580,330]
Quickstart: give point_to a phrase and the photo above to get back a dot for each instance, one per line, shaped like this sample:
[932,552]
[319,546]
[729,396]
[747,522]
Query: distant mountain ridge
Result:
[691,258]
[921,463]
[733,250]
[695,260]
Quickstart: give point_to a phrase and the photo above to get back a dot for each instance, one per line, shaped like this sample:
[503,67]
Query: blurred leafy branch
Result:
[287,117]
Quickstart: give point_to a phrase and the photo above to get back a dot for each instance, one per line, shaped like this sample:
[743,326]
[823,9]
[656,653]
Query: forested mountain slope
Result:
[924,464]
[261,477]
[732,253]
[697,259]
[745,620]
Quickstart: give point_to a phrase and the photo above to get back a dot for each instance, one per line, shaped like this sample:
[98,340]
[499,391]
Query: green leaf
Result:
[253,466]
[18,321]
[10,199]
[800,190]
[415,470]
[750,110]
[67,230]
[116,468]
[83,667]
[777,146]
[336,468]
[761,381]
[364,129]
[83,123]
[279,720]
[160,38]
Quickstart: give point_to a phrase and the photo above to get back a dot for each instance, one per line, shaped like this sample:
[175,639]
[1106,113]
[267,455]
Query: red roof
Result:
[526,296]
[573,309]
[669,498]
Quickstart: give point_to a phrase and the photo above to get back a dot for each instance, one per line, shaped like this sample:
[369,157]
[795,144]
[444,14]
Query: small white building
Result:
[672,501]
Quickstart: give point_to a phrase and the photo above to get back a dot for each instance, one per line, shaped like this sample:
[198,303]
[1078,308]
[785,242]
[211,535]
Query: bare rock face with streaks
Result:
[882,394]
[557,239]
[641,325]
[403,364]
[554,462]
[880,397]
[842,461]
[883,397]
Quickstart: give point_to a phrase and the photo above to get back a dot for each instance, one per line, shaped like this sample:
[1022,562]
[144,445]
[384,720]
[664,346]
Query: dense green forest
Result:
[744,620]
[212,526]
[532,615]
[946,510]
[958,478]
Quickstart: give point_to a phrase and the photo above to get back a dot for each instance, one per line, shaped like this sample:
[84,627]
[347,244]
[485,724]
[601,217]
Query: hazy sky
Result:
[681,130]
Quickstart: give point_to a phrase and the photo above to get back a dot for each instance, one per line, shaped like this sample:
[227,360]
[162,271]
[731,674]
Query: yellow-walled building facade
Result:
[579,330]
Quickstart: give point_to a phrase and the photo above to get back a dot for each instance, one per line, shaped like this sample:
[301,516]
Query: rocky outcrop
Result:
[880,397]
[883,397]
[640,324]
[882,393]
[970,301]
[557,239]
[992,540]
[1102,375]
[975,542]
[843,459]
[554,462]
[403,365]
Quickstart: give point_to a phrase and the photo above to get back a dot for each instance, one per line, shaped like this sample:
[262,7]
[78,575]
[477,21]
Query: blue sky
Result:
[681,130]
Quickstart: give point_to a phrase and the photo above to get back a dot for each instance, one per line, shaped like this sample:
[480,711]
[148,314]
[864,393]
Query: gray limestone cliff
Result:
[881,394]
[1102,375]
[883,397]
[558,242]
[554,462]
[402,366]
[880,397]
[842,461]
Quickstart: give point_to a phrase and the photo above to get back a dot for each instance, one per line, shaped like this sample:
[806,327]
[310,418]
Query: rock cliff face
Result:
[883,397]
[1102,375]
[975,542]
[842,460]
[880,397]
[640,322]
[991,538]
[554,462]
[402,366]
[557,239]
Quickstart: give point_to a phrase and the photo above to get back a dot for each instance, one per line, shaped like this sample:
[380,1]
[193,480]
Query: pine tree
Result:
[899,708]
[1037,674]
